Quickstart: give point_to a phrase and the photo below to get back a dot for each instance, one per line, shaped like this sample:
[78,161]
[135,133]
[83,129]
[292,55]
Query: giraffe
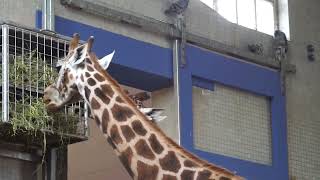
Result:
[144,150]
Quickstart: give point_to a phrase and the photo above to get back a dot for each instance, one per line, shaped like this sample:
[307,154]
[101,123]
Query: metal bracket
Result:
[285,68]
[181,26]
[183,44]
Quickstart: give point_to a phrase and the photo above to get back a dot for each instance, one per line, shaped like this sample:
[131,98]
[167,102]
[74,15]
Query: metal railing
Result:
[28,60]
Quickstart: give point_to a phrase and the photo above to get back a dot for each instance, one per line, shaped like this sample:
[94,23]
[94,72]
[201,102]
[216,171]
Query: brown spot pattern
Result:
[97,66]
[127,132]
[74,87]
[81,66]
[125,158]
[168,177]
[87,74]
[224,178]
[98,77]
[98,92]
[121,113]
[109,140]
[96,118]
[87,92]
[187,175]
[88,61]
[170,162]
[144,150]
[138,128]
[189,163]
[82,78]
[155,144]
[91,82]
[105,120]
[147,172]
[90,68]
[114,135]
[107,89]
[95,104]
[119,99]
[65,77]
[205,174]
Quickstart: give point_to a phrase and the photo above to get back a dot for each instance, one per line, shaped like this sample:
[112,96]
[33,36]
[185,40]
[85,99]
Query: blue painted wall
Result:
[149,67]
[203,69]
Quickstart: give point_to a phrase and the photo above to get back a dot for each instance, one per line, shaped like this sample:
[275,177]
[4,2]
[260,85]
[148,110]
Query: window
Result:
[253,14]
[237,121]
[225,118]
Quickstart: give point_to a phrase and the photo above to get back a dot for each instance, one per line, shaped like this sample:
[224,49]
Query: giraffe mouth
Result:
[52,98]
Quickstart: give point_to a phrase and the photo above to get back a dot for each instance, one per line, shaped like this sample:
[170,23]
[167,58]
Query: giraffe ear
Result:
[59,63]
[74,41]
[105,61]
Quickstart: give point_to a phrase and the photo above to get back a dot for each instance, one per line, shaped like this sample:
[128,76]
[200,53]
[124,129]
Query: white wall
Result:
[303,91]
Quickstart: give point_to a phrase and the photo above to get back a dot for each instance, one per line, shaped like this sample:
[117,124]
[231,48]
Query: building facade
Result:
[223,102]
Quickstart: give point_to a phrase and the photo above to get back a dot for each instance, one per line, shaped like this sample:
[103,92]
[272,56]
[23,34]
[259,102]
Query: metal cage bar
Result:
[5,77]
[28,67]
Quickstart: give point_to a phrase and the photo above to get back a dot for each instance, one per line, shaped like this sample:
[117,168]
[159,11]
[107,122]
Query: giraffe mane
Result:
[169,141]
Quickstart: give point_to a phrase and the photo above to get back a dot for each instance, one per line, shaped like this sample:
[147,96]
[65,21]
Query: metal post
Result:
[5,73]
[176,77]
[53,163]
[86,118]
[48,15]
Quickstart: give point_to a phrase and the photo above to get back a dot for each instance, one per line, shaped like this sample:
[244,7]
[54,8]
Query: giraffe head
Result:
[68,86]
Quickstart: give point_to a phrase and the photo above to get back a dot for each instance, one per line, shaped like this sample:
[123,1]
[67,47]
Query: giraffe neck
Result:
[142,147]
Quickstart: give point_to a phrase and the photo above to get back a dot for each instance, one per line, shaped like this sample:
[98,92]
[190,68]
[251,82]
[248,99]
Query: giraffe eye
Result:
[78,53]
[58,68]
[76,56]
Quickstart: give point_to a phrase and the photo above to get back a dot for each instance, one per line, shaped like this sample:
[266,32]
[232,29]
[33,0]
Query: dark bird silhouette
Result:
[280,45]
[177,8]
[280,39]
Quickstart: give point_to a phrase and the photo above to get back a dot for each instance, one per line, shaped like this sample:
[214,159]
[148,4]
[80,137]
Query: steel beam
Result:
[19,155]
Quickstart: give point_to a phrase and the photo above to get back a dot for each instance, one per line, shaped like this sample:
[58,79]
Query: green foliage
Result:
[30,118]
[31,71]
[34,117]
[28,114]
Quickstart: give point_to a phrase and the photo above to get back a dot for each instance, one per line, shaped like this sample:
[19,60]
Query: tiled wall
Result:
[231,122]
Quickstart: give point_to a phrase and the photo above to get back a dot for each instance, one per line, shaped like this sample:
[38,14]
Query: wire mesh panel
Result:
[232,122]
[26,71]
[14,169]
[304,148]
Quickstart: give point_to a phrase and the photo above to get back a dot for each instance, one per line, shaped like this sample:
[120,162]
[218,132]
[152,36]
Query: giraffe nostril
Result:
[46,101]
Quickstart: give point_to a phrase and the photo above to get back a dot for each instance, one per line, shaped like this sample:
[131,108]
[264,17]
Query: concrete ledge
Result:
[166,29]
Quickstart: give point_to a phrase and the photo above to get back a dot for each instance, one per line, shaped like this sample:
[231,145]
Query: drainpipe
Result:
[48,15]
[176,78]
[48,25]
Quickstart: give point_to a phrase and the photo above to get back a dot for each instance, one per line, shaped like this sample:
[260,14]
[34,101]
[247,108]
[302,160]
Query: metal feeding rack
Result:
[28,60]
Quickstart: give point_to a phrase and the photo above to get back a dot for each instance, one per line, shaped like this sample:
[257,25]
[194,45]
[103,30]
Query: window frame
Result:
[211,66]
[275,13]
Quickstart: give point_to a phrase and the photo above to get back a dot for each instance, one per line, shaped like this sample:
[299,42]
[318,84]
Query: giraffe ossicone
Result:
[144,150]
